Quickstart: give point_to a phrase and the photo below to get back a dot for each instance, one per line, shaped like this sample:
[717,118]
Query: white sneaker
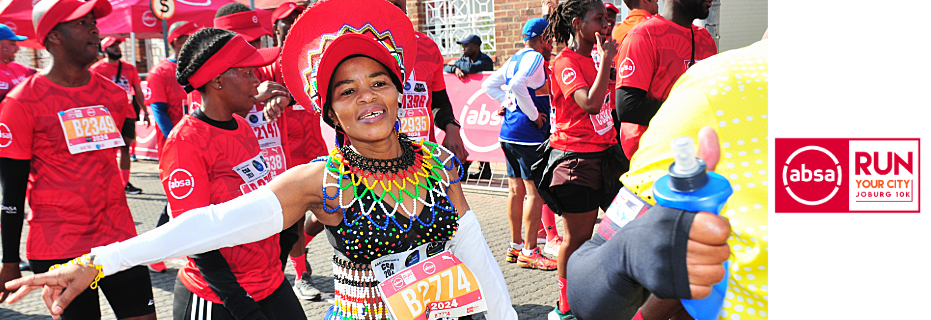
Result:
[305,289]
[552,246]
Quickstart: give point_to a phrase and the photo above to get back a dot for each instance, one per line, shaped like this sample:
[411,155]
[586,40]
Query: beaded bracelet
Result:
[85,260]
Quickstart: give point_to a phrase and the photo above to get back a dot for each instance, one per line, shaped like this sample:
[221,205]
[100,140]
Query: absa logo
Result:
[148,19]
[814,173]
[627,68]
[6,136]
[568,75]
[180,183]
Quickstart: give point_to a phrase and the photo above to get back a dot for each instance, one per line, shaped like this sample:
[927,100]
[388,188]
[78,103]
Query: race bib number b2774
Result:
[438,287]
[89,128]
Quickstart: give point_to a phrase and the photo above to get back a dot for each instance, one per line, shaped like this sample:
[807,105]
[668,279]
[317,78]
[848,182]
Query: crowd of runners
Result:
[250,181]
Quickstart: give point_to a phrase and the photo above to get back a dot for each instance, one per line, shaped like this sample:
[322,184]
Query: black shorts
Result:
[574,198]
[129,293]
[281,304]
[129,129]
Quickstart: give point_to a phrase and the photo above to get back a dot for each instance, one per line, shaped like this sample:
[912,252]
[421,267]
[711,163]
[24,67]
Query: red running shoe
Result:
[536,260]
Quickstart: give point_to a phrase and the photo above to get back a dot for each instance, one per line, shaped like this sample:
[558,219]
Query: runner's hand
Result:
[460,74]
[453,142]
[275,106]
[541,121]
[607,47]
[61,286]
[8,272]
[706,252]
[145,118]
[268,90]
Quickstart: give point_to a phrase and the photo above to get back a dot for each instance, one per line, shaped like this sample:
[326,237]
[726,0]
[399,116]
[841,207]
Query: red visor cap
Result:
[237,53]
[285,10]
[184,30]
[244,23]
[109,41]
[49,13]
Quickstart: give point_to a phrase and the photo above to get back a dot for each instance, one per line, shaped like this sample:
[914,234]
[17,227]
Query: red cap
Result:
[184,30]
[109,41]
[611,7]
[244,23]
[47,14]
[285,10]
[335,31]
[236,53]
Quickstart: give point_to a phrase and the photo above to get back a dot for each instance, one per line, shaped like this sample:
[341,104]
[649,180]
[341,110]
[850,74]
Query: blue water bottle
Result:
[688,186]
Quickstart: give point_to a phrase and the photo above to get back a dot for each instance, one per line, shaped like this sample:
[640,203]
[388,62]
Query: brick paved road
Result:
[533,292]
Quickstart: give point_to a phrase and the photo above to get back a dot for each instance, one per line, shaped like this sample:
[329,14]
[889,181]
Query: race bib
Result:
[277,162]
[626,207]
[89,128]
[415,113]
[415,123]
[267,132]
[254,172]
[437,287]
[603,122]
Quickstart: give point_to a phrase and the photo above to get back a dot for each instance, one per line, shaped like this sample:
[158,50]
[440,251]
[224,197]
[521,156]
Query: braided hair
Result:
[231,8]
[560,21]
[199,47]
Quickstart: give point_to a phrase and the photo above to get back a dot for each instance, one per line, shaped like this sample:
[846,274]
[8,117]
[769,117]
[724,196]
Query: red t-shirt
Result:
[203,165]
[162,86]
[12,74]
[303,126]
[620,31]
[129,77]
[656,52]
[77,200]
[576,130]
[426,77]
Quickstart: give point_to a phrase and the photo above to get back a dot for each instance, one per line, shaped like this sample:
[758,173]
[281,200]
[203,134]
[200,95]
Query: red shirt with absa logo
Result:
[77,200]
[577,130]
[203,165]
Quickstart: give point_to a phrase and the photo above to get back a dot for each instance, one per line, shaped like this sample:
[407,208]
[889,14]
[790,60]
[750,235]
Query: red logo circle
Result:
[148,19]
[180,183]
[6,136]
[812,175]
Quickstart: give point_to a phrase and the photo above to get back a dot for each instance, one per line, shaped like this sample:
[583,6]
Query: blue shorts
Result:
[519,159]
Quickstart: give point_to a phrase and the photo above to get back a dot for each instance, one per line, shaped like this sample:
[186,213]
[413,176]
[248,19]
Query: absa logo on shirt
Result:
[568,75]
[847,175]
[627,68]
[180,183]
[6,136]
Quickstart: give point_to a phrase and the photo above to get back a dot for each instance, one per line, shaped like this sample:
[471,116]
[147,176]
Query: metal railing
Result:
[449,21]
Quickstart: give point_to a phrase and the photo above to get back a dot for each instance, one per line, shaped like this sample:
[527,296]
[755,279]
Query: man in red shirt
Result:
[640,11]
[126,76]
[653,55]
[11,73]
[57,133]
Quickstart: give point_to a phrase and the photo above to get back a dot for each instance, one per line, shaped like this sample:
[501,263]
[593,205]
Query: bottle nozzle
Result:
[683,151]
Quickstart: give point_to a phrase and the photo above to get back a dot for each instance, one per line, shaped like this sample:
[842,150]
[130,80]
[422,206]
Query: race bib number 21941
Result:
[89,128]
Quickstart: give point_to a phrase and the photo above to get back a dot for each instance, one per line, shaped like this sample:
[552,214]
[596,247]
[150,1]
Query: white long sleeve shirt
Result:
[530,73]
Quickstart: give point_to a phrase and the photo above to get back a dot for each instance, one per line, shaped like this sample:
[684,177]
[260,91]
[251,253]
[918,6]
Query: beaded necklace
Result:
[358,176]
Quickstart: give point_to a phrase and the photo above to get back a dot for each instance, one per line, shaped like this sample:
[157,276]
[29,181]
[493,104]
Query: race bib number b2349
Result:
[89,128]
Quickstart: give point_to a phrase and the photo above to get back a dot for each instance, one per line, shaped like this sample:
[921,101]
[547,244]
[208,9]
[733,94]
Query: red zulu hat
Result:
[244,23]
[184,30]
[285,10]
[330,31]
[236,53]
[109,41]
[47,14]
